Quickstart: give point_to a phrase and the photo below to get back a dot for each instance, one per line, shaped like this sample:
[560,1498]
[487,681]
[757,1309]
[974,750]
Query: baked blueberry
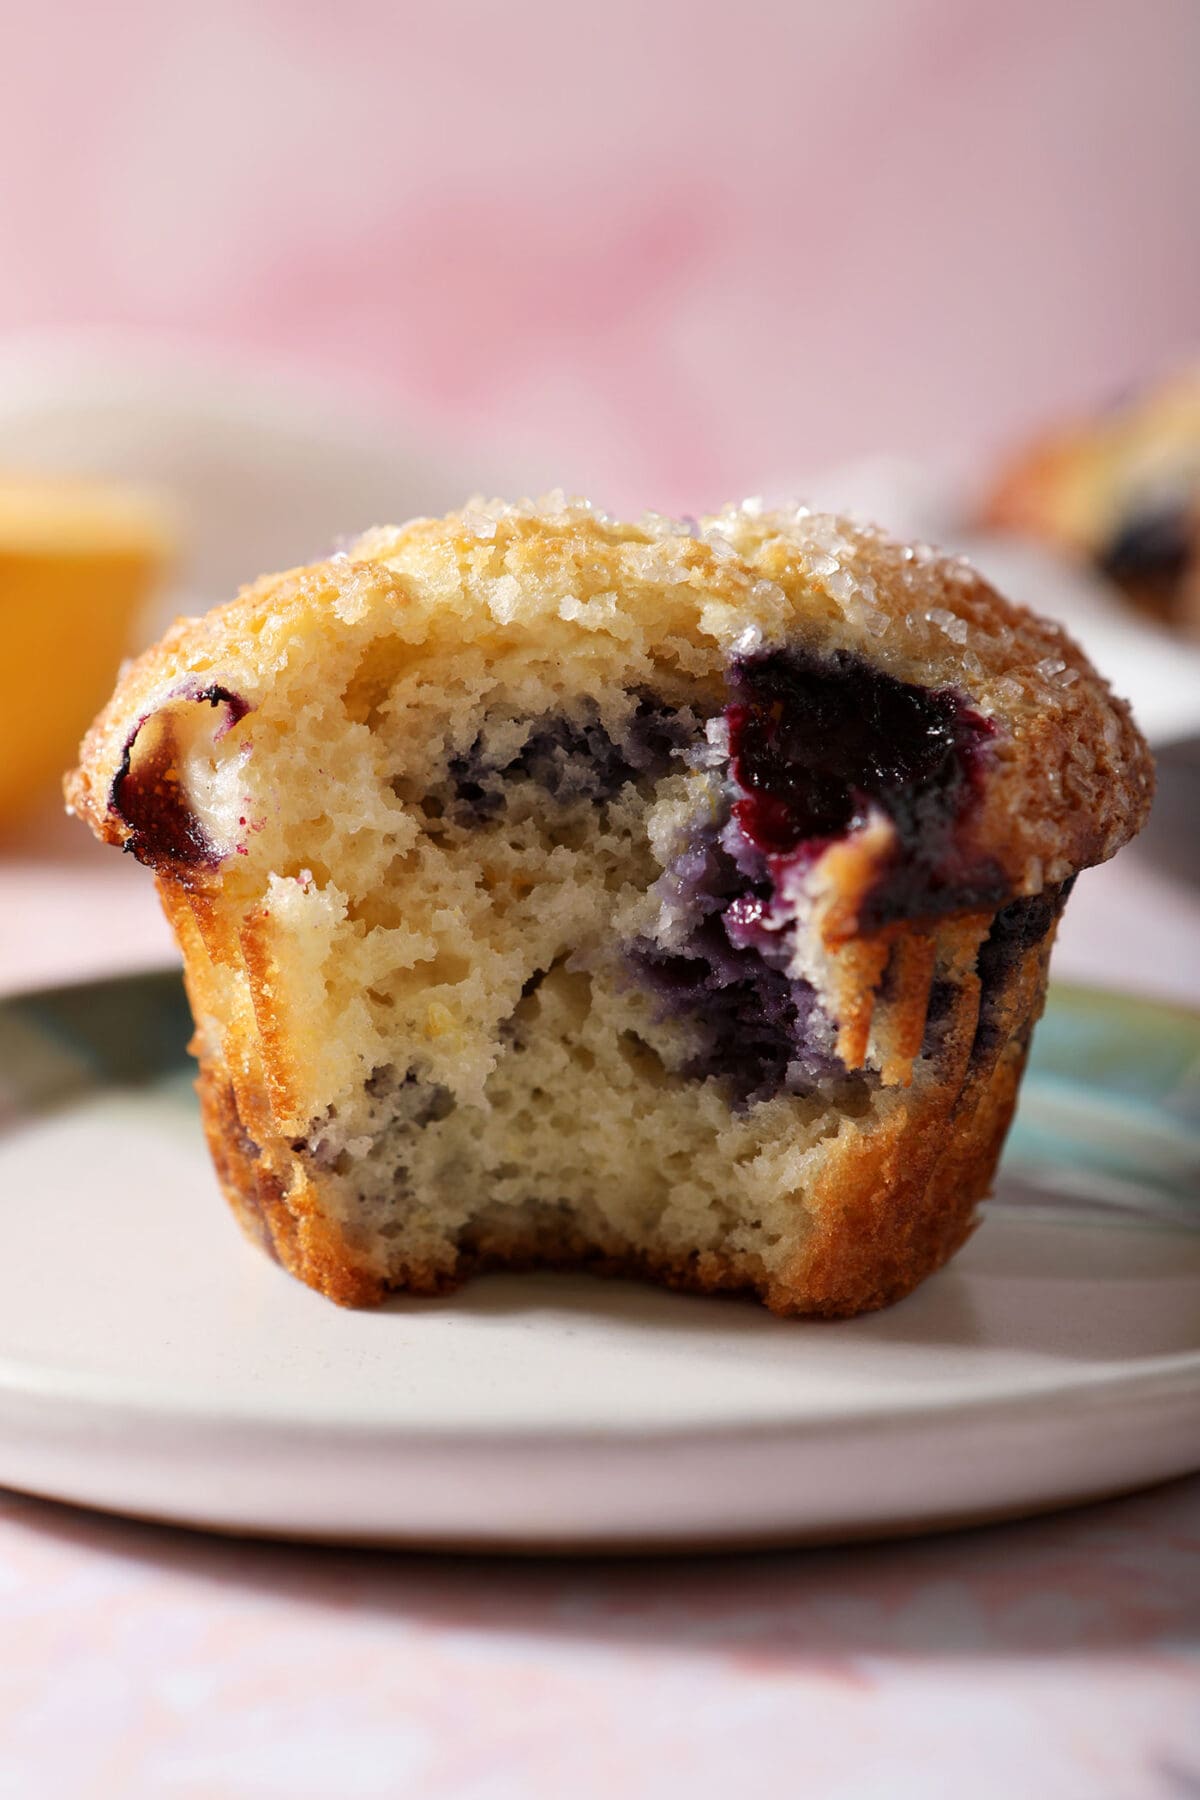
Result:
[655,898]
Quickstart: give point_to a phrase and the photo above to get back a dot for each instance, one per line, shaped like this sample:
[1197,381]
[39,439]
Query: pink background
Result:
[664,250]
[1053,1660]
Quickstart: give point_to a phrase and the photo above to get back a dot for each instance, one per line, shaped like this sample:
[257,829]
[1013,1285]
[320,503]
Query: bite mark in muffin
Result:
[554,890]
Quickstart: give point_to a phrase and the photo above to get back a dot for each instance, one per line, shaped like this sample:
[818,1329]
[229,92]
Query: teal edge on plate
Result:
[1112,1097]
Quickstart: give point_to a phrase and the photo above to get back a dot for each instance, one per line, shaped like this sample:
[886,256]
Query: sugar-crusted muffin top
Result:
[531,586]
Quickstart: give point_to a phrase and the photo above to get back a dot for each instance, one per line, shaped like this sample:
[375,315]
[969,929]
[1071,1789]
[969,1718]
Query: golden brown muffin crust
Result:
[1072,778]
[1065,779]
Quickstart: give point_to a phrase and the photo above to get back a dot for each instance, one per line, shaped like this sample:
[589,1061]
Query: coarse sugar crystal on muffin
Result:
[661,898]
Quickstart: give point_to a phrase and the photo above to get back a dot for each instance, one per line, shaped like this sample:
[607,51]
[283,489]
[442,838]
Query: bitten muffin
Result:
[661,898]
[1122,492]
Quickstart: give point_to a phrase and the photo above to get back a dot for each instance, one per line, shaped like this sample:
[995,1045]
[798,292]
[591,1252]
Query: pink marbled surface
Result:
[1057,1657]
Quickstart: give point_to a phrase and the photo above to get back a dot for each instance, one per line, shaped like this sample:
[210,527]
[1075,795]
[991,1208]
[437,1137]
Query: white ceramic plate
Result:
[152,1363]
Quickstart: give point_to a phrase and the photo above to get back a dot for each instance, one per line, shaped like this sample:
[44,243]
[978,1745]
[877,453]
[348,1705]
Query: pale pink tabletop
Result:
[1057,1657]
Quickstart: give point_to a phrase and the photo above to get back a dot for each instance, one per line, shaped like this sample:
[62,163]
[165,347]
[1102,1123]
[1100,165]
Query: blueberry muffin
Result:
[1122,492]
[664,899]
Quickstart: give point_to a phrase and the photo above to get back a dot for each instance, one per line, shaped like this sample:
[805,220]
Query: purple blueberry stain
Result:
[722,966]
[755,1029]
[572,759]
[816,744]
[236,706]
[1016,929]
[163,831]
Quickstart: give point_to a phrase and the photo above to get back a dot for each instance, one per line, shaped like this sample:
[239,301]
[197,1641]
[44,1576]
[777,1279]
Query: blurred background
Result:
[292,268]
[658,249]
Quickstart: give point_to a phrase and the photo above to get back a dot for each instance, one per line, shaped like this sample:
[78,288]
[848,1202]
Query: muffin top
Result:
[1065,777]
